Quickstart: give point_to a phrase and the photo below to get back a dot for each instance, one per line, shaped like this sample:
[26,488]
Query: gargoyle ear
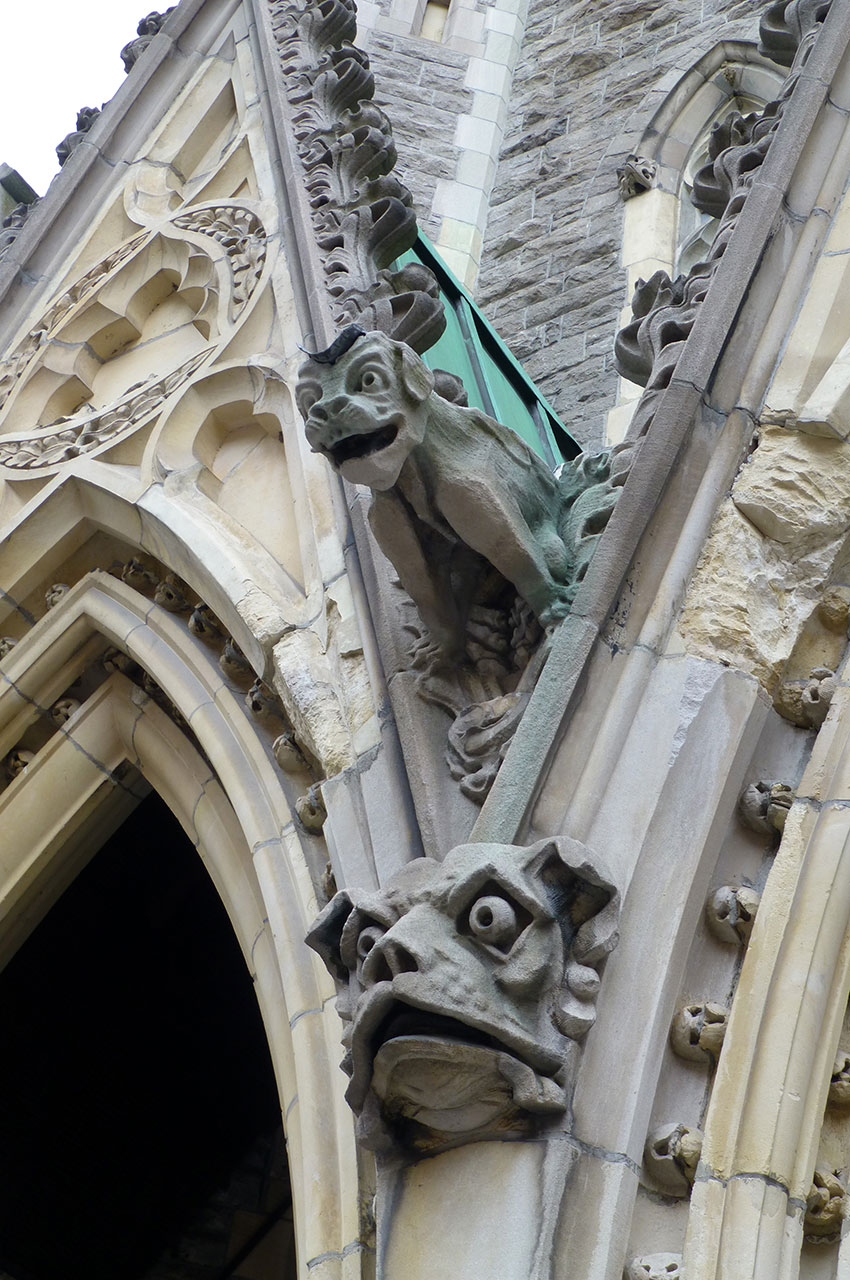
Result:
[416,378]
[326,933]
[589,896]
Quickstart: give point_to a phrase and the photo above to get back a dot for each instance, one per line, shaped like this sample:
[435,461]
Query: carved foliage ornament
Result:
[787,24]
[464,986]
[361,213]
[146,30]
[664,310]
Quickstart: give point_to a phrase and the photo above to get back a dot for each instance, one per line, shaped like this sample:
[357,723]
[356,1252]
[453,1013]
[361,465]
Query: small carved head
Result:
[671,1155]
[7,644]
[170,595]
[16,761]
[824,1206]
[62,710]
[697,1032]
[730,912]
[55,593]
[367,409]
[655,1266]
[839,1084]
[764,806]
[464,985]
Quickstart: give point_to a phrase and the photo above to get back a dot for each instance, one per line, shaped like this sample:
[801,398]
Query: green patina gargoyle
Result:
[454,490]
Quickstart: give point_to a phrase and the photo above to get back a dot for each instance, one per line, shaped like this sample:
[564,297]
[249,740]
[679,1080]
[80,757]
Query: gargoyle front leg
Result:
[399,534]
[493,525]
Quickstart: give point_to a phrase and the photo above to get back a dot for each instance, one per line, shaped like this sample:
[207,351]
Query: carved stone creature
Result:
[839,1084]
[671,1155]
[234,664]
[170,594]
[86,117]
[289,755]
[16,761]
[730,912]
[205,625]
[824,1207]
[764,806]
[311,810]
[464,986]
[55,594]
[263,702]
[61,711]
[139,576]
[454,491]
[697,1032]
[635,175]
[117,660]
[655,1266]
[807,702]
[13,224]
[7,644]
[147,29]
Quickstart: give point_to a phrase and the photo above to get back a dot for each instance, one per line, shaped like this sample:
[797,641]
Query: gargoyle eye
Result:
[367,938]
[373,380]
[495,921]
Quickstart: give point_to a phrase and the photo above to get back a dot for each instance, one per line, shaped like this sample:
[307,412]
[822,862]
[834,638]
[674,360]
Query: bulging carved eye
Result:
[373,380]
[493,920]
[367,938]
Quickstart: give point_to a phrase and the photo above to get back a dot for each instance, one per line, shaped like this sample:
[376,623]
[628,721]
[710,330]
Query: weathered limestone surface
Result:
[770,554]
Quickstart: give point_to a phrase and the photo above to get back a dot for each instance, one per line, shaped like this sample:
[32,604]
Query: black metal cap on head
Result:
[342,342]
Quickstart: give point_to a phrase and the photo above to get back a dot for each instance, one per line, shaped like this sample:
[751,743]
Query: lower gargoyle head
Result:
[464,985]
[365,409]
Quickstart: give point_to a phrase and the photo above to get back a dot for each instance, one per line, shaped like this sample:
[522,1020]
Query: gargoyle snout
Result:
[387,959]
[324,410]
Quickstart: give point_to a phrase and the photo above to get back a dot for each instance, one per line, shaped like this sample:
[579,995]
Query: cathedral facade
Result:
[424,504]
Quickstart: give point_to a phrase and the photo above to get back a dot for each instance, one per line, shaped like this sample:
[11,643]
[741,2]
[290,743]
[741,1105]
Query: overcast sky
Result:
[58,57]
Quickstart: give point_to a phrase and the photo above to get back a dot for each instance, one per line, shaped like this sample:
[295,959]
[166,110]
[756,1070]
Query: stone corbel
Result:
[465,987]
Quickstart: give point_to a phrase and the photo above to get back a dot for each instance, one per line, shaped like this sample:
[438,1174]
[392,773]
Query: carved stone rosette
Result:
[464,987]
[362,214]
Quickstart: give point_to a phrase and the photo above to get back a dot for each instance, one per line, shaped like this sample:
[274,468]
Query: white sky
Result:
[58,57]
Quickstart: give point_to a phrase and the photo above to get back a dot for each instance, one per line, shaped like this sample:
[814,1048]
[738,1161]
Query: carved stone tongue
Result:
[452,1087]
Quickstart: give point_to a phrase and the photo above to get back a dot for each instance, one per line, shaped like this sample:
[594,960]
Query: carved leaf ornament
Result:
[664,310]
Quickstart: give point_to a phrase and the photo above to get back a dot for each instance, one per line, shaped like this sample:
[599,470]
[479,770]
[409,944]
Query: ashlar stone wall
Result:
[550,277]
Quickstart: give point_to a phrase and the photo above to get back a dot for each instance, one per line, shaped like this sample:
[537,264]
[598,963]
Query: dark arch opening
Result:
[140,1132]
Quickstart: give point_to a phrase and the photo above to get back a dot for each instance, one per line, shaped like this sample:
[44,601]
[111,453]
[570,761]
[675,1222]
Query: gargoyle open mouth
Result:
[362,444]
[404,1020]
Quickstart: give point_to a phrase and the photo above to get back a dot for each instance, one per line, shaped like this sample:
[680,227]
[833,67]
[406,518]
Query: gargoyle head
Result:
[367,409]
[464,985]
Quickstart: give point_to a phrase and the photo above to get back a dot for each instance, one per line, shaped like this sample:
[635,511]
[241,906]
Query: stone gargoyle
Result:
[454,490]
[464,987]
[488,543]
